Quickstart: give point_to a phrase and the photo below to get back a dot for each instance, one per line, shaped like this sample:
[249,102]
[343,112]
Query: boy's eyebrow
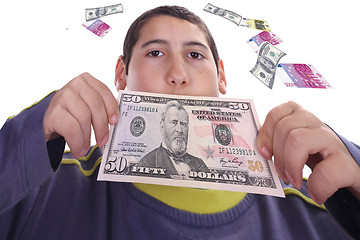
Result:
[196,43]
[158,41]
[164,42]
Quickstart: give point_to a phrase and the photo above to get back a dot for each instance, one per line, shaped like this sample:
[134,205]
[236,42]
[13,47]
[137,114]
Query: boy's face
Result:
[172,56]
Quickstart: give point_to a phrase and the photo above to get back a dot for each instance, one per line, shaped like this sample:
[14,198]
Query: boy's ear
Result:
[120,74]
[222,78]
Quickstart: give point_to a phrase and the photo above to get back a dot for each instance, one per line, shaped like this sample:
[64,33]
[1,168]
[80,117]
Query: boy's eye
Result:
[195,55]
[155,53]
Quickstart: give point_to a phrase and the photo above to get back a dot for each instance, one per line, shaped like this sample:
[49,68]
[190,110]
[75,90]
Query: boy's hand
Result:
[83,102]
[296,137]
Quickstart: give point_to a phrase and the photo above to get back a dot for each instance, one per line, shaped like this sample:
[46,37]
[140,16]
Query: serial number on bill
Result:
[237,151]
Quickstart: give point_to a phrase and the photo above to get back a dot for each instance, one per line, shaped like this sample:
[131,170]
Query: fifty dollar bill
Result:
[266,64]
[94,13]
[198,142]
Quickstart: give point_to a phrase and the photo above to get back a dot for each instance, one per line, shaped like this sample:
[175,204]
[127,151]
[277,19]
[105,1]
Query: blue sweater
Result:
[40,198]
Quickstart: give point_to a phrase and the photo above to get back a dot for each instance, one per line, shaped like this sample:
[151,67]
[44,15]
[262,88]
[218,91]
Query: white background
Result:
[43,46]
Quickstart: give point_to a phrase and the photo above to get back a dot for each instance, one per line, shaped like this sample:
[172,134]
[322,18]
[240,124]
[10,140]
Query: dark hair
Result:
[132,35]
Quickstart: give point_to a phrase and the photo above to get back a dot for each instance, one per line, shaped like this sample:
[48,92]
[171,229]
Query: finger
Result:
[300,119]
[68,116]
[80,111]
[109,100]
[94,93]
[266,132]
[68,127]
[327,177]
[96,106]
[301,143]
[82,104]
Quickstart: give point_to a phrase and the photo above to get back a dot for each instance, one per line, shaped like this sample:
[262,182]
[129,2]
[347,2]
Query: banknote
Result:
[98,27]
[229,15]
[255,24]
[301,76]
[94,13]
[264,36]
[266,64]
[197,142]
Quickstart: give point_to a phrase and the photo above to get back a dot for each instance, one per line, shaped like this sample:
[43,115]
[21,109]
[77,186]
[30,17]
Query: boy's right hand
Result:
[83,102]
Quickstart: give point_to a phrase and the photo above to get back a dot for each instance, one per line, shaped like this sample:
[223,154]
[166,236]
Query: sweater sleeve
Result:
[26,160]
[343,206]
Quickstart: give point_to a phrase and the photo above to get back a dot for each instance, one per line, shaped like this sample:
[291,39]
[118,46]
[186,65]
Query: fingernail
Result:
[288,176]
[113,119]
[81,154]
[286,181]
[85,151]
[310,193]
[104,140]
[265,151]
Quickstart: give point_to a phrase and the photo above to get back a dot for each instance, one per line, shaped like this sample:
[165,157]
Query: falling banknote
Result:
[94,13]
[97,27]
[266,64]
[264,36]
[198,142]
[229,15]
[256,24]
[301,76]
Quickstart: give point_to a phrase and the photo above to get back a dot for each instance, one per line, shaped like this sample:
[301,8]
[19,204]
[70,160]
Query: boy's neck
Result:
[203,201]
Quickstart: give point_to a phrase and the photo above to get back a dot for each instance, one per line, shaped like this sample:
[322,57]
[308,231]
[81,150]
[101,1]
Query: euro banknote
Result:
[301,75]
[264,36]
[255,24]
[98,27]
[198,142]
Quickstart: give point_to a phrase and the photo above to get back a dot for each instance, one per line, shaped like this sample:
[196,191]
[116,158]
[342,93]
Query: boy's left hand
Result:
[297,137]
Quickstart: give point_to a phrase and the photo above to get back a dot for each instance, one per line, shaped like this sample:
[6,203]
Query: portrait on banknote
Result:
[172,153]
[101,12]
[187,141]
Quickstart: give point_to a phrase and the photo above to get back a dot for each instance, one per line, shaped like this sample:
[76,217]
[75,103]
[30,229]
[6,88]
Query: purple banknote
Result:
[264,36]
[98,27]
[301,76]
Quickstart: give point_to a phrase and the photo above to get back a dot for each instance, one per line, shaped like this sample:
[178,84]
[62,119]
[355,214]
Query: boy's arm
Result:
[343,205]
[32,143]
[83,103]
[25,161]
[296,137]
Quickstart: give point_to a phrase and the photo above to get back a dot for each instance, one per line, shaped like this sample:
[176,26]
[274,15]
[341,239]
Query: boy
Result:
[48,195]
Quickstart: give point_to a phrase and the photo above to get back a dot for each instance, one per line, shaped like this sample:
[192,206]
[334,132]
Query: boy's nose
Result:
[177,74]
